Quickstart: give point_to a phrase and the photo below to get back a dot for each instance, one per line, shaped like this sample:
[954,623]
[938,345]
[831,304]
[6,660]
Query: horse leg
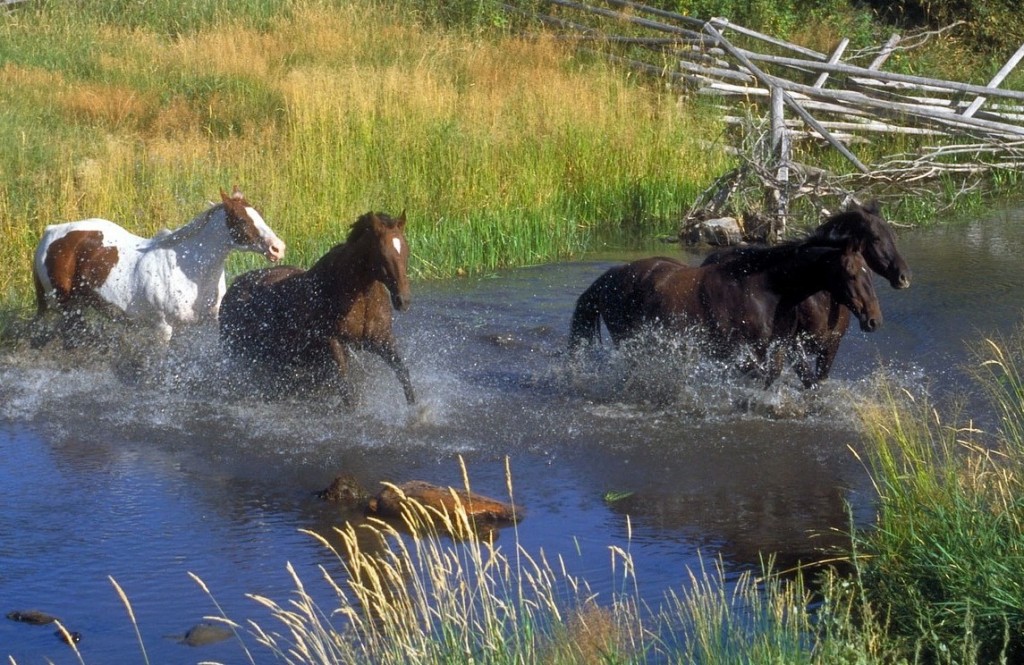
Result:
[765,362]
[40,335]
[748,359]
[827,355]
[339,352]
[774,360]
[804,349]
[386,350]
[828,342]
[164,331]
[73,327]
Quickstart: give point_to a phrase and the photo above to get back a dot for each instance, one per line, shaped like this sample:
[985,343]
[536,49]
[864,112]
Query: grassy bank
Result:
[945,562]
[503,151]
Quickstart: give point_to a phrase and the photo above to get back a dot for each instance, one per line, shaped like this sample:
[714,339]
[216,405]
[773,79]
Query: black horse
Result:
[821,321]
[750,299]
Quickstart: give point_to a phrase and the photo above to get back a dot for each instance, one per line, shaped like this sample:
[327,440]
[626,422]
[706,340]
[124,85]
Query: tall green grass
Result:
[503,151]
[945,561]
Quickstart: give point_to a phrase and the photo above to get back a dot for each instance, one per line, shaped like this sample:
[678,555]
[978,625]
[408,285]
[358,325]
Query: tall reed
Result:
[438,590]
[441,590]
[945,561]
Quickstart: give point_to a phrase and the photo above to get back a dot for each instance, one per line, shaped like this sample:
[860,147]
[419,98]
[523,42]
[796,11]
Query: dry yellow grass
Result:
[114,107]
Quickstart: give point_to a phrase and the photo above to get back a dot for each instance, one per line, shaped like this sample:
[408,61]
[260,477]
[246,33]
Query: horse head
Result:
[858,290]
[874,237]
[247,228]
[393,250]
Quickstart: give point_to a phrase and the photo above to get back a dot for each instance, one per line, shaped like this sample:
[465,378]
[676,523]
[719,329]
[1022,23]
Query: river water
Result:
[146,474]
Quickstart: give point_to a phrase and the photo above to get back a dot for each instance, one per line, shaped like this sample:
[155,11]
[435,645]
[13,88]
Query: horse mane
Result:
[844,226]
[839,231]
[748,259]
[365,222]
[362,225]
[165,238]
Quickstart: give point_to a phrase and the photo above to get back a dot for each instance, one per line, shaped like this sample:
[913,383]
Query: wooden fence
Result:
[778,93]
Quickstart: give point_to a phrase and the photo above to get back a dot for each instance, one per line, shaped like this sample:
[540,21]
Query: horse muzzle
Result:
[870,323]
[400,301]
[274,250]
[901,281]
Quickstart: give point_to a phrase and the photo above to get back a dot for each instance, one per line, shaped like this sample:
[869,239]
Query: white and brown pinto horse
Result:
[175,278]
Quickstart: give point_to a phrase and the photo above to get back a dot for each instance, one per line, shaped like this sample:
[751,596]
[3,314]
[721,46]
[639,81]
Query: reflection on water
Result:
[146,469]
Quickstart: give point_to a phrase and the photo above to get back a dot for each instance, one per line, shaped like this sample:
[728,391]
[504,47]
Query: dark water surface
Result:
[146,475]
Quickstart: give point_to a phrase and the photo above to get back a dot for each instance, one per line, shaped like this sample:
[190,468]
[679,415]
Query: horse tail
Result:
[586,318]
[40,294]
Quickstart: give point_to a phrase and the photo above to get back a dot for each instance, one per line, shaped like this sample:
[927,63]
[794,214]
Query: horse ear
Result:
[223,195]
[236,193]
[874,207]
[401,219]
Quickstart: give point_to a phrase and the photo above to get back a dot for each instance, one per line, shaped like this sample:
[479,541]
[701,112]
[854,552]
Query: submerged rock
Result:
[203,634]
[346,490]
[68,636]
[34,617]
[390,501]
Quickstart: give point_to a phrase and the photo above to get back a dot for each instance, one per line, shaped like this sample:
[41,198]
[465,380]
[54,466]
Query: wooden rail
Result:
[778,93]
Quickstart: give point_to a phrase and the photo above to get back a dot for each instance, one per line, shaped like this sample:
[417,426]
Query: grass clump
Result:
[945,561]
[438,590]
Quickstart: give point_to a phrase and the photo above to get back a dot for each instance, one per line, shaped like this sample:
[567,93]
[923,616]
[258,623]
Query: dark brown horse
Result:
[288,318]
[821,321]
[750,299]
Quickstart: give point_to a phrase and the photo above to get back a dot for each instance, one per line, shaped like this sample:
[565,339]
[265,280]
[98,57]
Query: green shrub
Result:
[995,26]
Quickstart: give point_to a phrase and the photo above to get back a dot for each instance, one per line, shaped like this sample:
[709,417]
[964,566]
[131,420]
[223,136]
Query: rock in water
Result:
[204,633]
[346,490]
[34,617]
[389,502]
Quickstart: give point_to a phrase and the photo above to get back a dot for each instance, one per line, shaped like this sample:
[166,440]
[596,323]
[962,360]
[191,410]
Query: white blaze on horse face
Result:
[274,245]
[398,244]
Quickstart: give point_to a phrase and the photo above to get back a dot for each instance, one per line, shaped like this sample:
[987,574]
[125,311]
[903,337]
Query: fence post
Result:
[781,155]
